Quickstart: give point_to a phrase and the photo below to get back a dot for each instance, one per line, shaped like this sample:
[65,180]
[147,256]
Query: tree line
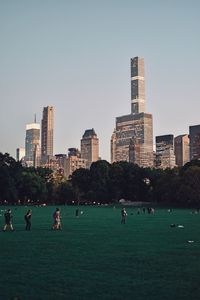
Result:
[102,183]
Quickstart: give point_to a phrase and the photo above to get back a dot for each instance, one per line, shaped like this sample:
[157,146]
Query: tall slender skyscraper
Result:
[89,147]
[47,133]
[132,139]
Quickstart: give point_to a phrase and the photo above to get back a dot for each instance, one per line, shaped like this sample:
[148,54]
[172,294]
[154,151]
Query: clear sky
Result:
[75,55]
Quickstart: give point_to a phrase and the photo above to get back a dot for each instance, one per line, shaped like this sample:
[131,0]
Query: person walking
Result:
[57,220]
[8,221]
[27,218]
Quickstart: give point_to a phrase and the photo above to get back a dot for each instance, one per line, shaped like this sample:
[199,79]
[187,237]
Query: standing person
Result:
[123,214]
[57,221]
[8,221]
[77,212]
[27,218]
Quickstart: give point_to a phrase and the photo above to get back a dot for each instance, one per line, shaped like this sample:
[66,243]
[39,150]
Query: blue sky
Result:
[75,55]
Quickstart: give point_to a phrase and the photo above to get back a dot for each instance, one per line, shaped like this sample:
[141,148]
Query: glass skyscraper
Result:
[32,144]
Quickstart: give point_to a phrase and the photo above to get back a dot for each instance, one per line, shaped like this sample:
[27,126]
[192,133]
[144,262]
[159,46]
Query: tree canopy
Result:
[102,183]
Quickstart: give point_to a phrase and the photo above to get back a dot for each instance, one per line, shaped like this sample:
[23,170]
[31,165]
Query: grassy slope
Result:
[95,257]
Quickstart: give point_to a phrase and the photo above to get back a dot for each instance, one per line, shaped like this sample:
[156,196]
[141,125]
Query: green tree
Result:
[64,193]
[9,174]
[81,183]
[128,181]
[167,186]
[189,189]
[8,191]
[99,174]
[31,187]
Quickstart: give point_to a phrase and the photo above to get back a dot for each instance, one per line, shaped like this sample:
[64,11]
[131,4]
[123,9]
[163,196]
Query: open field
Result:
[97,257]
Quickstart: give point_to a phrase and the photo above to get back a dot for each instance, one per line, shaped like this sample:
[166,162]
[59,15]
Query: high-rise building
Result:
[32,145]
[113,147]
[137,85]
[20,153]
[182,149]
[89,147]
[47,134]
[165,157]
[74,161]
[132,139]
[194,135]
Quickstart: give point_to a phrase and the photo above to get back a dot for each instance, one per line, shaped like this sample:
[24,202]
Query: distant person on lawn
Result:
[8,221]
[27,218]
[77,212]
[57,220]
[123,214]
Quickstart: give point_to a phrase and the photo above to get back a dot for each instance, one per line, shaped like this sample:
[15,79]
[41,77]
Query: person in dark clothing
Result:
[77,212]
[8,221]
[27,218]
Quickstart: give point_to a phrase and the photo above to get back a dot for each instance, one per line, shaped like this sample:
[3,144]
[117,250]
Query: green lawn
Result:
[97,257]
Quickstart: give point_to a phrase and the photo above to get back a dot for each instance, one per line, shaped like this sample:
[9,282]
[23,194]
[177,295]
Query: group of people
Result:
[9,220]
[56,218]
[150,210]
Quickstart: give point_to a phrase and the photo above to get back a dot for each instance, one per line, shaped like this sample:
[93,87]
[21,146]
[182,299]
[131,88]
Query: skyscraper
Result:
[32,144]
[132,139]
[47,133]
[182,149]
[194,134]
[89,147]
[165,157]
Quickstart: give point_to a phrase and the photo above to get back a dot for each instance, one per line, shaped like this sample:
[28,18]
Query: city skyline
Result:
[63,55]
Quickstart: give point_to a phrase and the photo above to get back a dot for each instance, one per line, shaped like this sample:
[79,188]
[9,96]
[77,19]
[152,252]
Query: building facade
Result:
[74,161]
[137,85]
[182,149]
[194,135]
[47,131]
[132,139]
[89,147]
[165,157]
[61,162]
[32,145]
[20,154]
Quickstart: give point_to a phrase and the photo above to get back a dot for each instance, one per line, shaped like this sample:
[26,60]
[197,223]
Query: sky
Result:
[75,55]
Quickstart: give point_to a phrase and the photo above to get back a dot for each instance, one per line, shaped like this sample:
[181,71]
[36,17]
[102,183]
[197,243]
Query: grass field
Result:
[97,257]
